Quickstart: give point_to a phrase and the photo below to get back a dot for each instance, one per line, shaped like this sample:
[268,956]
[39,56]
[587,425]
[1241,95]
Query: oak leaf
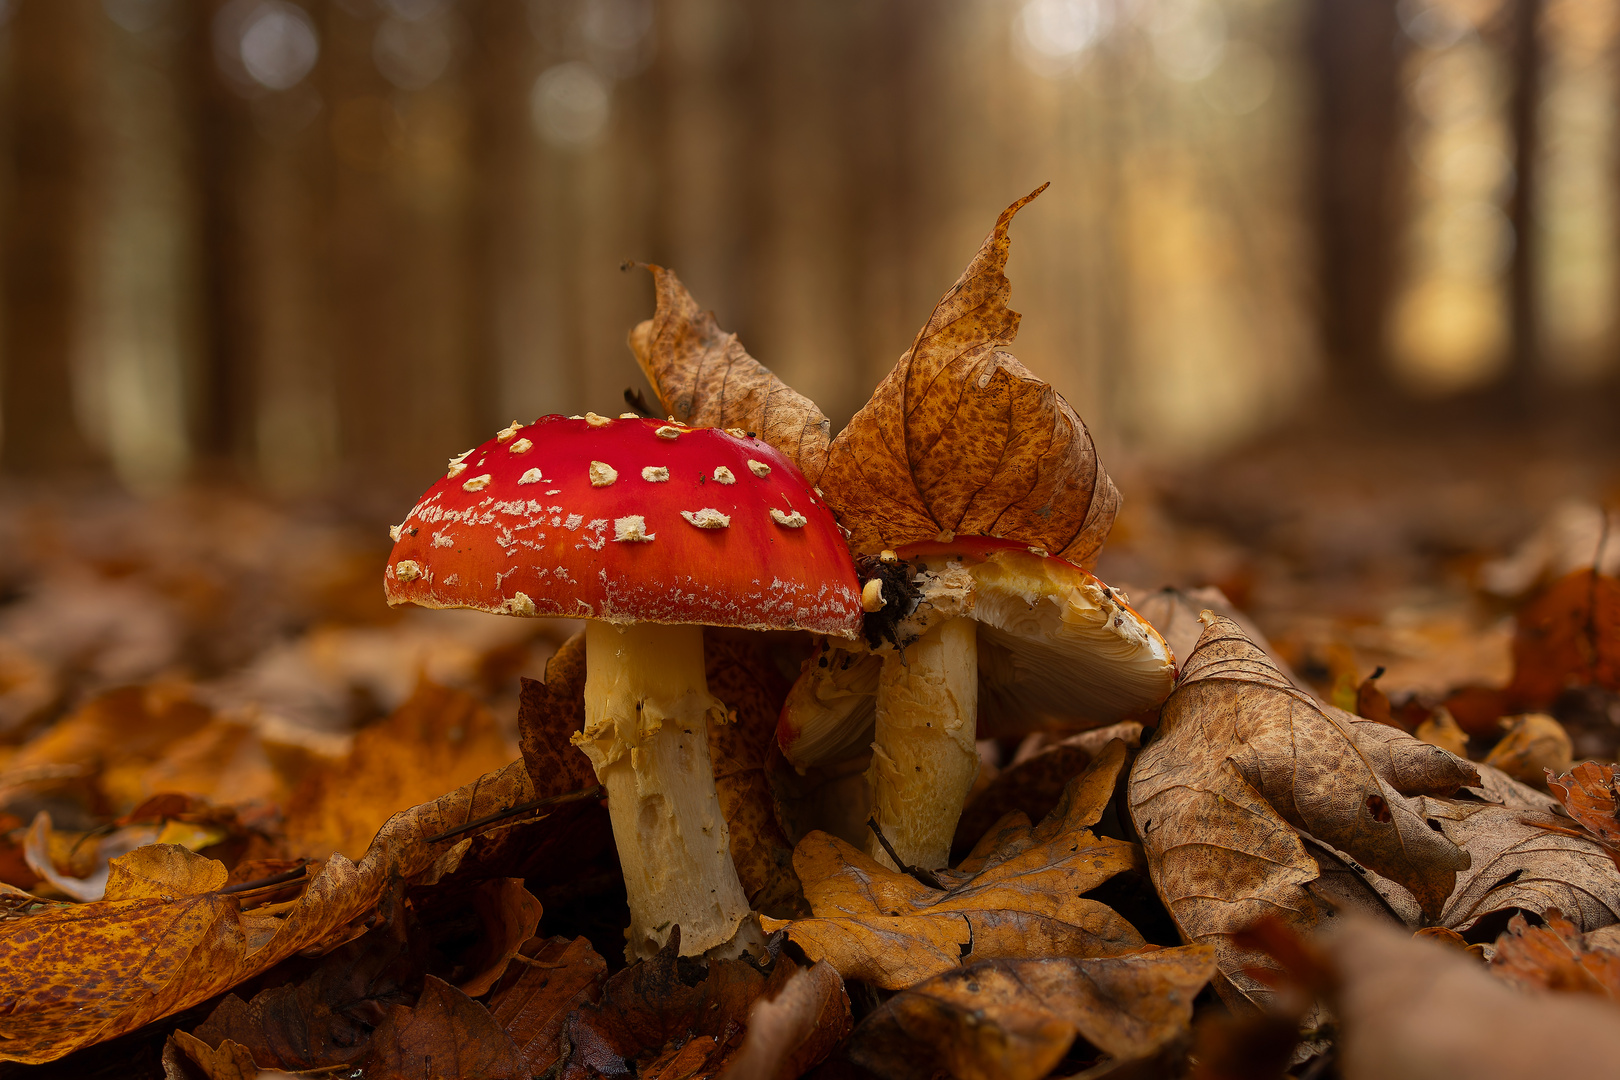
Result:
[1567,635]
[1015,1019]
[79,975]
[705,378]
[1242,764]
[960,437]
[1020,894]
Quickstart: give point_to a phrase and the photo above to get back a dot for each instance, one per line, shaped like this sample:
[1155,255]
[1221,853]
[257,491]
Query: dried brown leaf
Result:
[650,1006]
[1520,864]
[548,713]
[326,1018]
[1533,744]
[1023,897]
[1243,763]
[1031,786]
[510,915]
[1015,1019]
[534,999]
[83,974]
[960,437]
[790,1033]
[228,1061]
[705,378]
[163,872]
[1588,792]
[1441,730]
[447,1036]
[742,675]
[1556,956]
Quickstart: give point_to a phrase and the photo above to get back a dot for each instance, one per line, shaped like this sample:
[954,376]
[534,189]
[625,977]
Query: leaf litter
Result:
[250,820]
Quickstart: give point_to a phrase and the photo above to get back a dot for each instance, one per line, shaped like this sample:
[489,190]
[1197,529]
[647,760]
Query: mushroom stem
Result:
[647,706]
[923,757]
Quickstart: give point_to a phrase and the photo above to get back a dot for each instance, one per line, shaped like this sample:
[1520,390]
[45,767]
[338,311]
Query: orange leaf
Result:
[960,437]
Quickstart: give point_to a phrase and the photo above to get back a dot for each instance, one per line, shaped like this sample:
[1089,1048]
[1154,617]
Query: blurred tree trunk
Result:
[223,400]
[501,68]
[1523,25]
[1355,52]
[49,94]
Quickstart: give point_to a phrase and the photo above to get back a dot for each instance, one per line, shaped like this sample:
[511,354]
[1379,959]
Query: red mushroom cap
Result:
[628,520]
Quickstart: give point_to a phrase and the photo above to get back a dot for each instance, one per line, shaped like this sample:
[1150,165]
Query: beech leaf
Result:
[960,437]
[705,378]
[1022,897]
[83,974]
[1242,764]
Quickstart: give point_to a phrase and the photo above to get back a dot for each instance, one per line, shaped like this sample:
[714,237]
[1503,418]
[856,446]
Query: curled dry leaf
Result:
[1441,730]
[83,974]
[510,915]
[533,1001]
[1556,956]
[447,1036]
[742,675]
[705,378]
[1244,763]
[960,437]
[1589,793]
[1532,744]
[1020,894]
[1035,780]
[1015,1019]
[796,1029]
[1520,864]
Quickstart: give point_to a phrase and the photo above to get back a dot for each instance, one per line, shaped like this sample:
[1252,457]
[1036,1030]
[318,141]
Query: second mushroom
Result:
[973,637]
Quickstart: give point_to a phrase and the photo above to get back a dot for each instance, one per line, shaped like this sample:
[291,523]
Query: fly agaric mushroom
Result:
[992,638]
[650,531]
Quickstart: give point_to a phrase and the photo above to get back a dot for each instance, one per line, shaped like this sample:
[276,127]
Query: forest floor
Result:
[236,784]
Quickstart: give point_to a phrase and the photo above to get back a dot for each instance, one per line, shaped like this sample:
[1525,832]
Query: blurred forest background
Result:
[317,246]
